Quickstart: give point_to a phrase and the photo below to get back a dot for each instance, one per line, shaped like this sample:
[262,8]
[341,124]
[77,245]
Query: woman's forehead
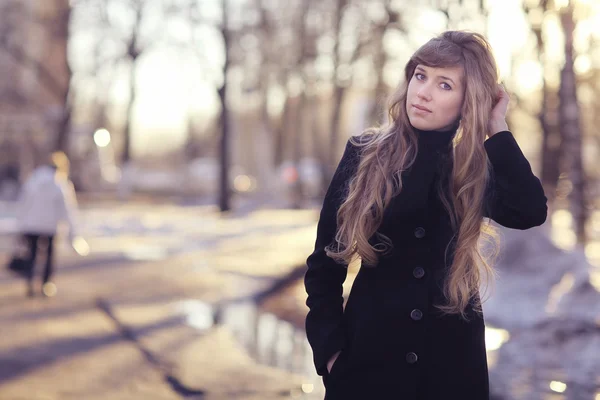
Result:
[452,73]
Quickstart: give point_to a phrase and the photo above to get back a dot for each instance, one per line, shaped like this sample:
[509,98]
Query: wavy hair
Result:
[389,150]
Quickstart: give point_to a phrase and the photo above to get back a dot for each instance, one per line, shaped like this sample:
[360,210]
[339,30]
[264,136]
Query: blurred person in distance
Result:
[46,199]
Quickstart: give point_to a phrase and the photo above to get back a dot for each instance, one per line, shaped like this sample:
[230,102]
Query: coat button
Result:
[418,272]
[416,314]
[411,358]
[420,233]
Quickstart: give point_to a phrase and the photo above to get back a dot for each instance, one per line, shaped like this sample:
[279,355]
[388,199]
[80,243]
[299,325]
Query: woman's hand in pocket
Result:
[332,361]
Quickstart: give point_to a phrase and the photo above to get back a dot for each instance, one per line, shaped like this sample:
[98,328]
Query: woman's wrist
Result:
[497,126]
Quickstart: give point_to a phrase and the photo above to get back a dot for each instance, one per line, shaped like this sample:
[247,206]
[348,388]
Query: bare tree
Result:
[134,50]
[302,58]
[391,20]
[224,189]
[353,43]
[548,112]
[338,90]
[570,127]
[124,35]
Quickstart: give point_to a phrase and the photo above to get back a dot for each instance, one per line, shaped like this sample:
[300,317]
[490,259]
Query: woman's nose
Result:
[424,94]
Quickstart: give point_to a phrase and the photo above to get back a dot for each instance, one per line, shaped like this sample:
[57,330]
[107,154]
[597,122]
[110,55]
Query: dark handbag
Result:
[19,263]
[19,266]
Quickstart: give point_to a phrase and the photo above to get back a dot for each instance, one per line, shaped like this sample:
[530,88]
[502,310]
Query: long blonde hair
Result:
[389,150]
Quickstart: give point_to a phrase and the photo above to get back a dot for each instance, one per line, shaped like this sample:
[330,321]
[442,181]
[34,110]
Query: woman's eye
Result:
[420,76]
[445,86]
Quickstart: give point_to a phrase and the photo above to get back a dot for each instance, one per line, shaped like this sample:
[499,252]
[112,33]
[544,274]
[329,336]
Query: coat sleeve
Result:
[68,206]
[324,277]
[515,197]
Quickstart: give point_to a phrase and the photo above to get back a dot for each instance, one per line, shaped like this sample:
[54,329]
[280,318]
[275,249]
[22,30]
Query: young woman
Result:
[410,200]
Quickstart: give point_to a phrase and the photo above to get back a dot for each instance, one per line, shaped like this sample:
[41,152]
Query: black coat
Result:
[394,343]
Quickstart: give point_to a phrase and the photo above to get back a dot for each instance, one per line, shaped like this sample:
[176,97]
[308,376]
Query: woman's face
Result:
[435,97]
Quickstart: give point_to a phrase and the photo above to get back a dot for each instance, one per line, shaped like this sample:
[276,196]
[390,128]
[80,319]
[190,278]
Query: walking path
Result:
[135,319]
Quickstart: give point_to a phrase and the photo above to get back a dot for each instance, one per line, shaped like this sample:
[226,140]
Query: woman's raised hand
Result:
[498,115]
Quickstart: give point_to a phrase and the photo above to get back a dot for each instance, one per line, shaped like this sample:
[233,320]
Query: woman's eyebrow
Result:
[440,76]
[450,79]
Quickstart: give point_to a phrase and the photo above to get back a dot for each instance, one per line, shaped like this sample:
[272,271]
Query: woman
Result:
[410,200]
[46,199]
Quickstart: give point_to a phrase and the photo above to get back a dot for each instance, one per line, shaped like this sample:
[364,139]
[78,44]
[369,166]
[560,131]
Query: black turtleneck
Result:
[436,140]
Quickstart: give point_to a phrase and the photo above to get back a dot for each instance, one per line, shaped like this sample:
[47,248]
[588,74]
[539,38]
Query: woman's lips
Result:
[421,108]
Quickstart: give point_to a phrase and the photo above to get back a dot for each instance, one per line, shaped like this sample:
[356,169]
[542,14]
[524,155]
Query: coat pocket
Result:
[338,367]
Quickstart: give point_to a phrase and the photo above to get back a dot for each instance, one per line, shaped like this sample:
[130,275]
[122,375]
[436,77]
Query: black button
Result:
[420,233]
[416,314]
[418,272]
[411,358]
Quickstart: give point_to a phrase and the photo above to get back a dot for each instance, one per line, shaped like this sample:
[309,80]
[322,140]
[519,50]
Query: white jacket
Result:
[45,201]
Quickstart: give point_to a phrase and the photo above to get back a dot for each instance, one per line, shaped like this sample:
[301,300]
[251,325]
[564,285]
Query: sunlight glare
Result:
[529,77]
[558,4]
[198,314]
[495,338]
[506,42]
[308,387]
[102,138]
[564,240]
[432,19]
[592,250]
[558,291]
[595,278]
[558,387]
[562,219]
[81,246]
[554,39]
[583,64]
[49,289]
[244,183]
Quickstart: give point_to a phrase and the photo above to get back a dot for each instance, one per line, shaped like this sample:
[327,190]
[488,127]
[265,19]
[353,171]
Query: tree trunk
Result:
[338,92]
[334,138]
[263,147]
[319,151]
[297,192]
[375,115]
[224,189]
[62,130]
[62,34]
[570,126]
[126,157]
[280,132]
[551,142]
[266,139]
[548,116]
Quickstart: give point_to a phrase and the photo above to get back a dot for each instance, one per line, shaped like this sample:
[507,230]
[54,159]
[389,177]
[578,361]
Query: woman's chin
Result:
[421,125]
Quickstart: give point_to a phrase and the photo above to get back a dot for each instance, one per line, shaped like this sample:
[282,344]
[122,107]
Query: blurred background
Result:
[201,137]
